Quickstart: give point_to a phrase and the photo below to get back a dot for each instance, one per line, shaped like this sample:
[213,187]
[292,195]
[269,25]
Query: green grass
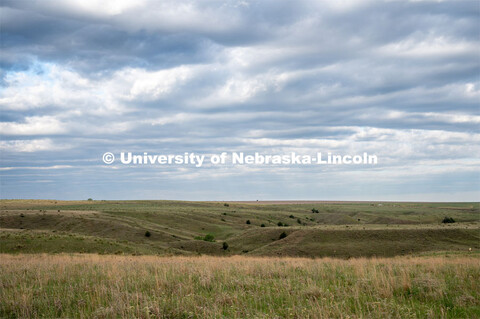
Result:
[81,259]
[339,229]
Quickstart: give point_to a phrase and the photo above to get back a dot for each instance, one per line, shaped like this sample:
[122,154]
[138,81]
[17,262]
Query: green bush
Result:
[315,211]
[209,237]
[225,245]
[448,220]
[262,225]
[248,222]
[280,224]
[147,234]
[282,235]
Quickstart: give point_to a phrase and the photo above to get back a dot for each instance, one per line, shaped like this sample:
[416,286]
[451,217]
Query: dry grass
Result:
[343,229]
[93,286]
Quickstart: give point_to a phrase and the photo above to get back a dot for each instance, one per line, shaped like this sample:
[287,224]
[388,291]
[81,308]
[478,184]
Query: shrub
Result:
[315,211]
[448,220]
[248,222]
[299,221]
[89,199]
[280,224]
[225,245]
[291,216]
[226,205]
[262,225]
[209,237]
[282,235]
[147,234]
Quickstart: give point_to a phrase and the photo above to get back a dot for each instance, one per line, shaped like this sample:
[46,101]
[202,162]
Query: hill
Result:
[312,229]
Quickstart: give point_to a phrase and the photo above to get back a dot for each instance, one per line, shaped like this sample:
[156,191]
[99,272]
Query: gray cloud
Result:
[399,79]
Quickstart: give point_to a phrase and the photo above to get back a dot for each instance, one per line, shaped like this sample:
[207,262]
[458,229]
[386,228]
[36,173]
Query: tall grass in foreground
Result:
[93,286]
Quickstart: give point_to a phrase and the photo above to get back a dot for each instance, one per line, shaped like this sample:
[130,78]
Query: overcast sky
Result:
[397,79]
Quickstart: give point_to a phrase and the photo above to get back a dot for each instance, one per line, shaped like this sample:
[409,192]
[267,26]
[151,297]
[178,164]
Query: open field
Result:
[339,229]
[94,286]
[80,259]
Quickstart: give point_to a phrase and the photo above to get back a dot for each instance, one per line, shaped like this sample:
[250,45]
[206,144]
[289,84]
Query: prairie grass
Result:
[339,229]
[106,286]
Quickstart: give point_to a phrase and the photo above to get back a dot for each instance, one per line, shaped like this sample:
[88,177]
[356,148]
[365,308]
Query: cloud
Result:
[34,125]
[30,146]
[54,167]
[398,79]
[152,86]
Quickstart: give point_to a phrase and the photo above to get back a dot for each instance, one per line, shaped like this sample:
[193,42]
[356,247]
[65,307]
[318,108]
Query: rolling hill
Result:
[312,229]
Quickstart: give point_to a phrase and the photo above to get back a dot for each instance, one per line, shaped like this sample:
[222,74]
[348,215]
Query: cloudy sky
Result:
[399,79]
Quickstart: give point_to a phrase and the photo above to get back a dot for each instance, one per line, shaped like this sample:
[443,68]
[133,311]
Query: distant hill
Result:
[312,229]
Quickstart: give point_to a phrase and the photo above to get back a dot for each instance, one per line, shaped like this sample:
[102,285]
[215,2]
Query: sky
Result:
[398,79]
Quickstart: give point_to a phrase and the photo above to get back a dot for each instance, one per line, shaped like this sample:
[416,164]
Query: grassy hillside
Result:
[437,278]
[341,229]
[92,286]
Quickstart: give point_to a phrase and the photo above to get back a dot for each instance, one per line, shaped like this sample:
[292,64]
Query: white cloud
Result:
[33,125]
[29,146]
[88,8]
[56,86]
[53,167]
[47,85]
[149,85]
[434,46]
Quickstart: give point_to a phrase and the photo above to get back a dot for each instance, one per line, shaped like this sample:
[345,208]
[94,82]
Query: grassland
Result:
[94,286]
[147,259]
[339,229]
